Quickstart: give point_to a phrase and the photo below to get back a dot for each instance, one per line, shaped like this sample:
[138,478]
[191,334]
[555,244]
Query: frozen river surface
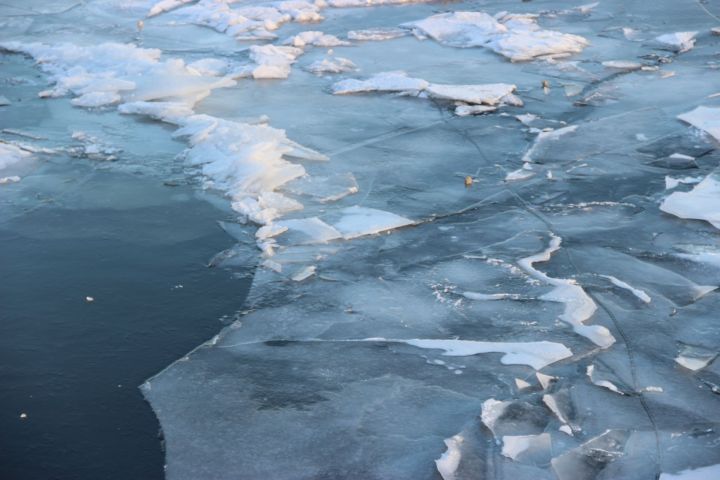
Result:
[484,235]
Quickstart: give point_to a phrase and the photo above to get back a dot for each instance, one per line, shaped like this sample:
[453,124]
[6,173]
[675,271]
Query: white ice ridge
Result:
[491,94]
[678,41]
[641,294]
[517,37]
[702,473]
[112,73]
[316,39]
[165,6]
[448,463]
[601,383]
[376,34]
[700,203]
[534,354]
[247,22]
[272,61]
[704,118]
[579,307]
[11,155]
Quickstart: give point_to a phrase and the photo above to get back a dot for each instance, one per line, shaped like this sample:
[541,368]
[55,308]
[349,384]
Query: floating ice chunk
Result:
[522,384]
[679,41]
[467,110]
[545,380]
[487,94]
[11,155]
[672,182]
[331,64]
[304,273]
[448,463]
[4,101]
[273,61]
[314,38]
[701,203]
[534,354]
[313,229]
[601,383]
[695,358]
[213,67]
[704,118]
[641,294]
[368,3]
[551,402]
[10,179]
[523,173]
[491,296]
[544,137]
[518,38]
[114,72]
[377,34]
[270,231]
[579,307]
[492,410]
[166,5]
[381,82]
[358,221]
[170,112]
[702,473]
[96,99]
[626,65]
[516,445]
[249,22]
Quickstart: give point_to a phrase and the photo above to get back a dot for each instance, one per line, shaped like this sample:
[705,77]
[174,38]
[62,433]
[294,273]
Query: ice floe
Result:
[517,37]
[472,99]
[448,463]
[377,34]
[11,155]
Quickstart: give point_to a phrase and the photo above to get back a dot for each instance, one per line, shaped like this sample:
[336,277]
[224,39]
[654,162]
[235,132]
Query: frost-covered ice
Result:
[11,155]
[376,34]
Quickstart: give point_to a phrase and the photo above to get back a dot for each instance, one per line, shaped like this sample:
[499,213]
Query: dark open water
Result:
[72,366]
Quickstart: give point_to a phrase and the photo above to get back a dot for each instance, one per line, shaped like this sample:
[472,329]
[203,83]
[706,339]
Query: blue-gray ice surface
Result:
[486,233]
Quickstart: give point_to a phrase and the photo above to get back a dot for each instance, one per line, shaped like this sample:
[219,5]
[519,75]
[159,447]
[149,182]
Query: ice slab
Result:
[700,203]
[358,221]
[517,37]
[704,118]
